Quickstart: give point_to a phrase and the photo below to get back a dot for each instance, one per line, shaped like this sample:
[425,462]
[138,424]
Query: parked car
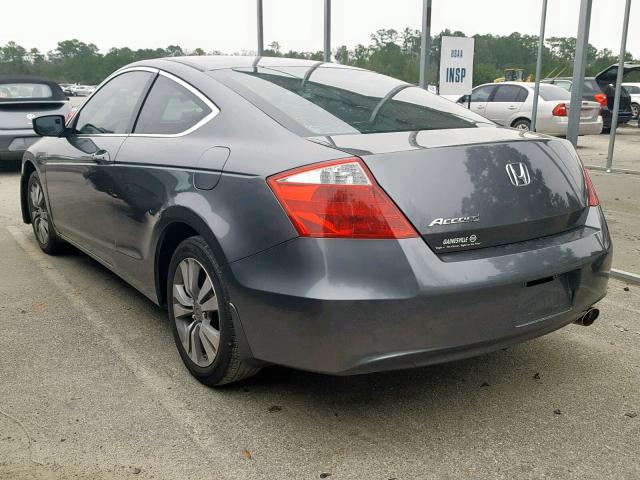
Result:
[67,88]
[511,104]
[82,90]
[23,98]
[318,216]
[602,89]
[634,92]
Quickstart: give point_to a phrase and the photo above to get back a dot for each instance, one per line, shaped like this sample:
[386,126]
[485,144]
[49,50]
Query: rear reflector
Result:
[339,199]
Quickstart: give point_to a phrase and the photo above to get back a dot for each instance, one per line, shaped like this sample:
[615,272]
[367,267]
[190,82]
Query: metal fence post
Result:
[425,43]
[579,66]
[327,30]
[536,88]
[616,101]
[260,29]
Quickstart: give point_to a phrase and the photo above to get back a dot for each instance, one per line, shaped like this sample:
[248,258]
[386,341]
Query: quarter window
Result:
[170,109]
[113,108]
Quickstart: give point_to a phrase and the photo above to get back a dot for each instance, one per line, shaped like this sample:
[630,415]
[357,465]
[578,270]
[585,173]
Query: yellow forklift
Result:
[514,75]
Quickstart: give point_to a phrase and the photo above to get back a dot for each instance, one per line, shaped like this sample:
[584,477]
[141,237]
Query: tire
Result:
[198,325]
[522,124]
[43,228]
[635,111]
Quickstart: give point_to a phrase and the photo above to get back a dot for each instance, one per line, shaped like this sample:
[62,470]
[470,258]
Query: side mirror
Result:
[49,125]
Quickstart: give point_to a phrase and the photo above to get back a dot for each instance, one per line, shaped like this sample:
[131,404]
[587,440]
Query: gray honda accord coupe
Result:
[318,216]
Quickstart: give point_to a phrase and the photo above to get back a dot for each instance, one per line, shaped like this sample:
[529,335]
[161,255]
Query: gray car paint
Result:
[329,305]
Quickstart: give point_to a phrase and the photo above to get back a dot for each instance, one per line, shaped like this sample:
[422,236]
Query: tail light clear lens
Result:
[339,199]
[601,98]
[559,110]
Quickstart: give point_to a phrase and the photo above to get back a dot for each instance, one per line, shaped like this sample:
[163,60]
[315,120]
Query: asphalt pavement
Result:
[92,387]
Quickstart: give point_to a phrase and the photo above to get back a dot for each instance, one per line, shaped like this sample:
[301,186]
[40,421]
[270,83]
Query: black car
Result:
[601,88]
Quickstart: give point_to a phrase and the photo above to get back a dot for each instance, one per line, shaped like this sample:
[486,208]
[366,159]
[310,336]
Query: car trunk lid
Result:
[474,188]
[19,114]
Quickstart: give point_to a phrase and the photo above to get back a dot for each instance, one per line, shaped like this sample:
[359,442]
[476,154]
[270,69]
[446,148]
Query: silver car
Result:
[21,100]
[634,91]
[511,104]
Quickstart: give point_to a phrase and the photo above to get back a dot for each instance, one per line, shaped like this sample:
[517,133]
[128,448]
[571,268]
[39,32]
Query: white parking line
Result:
[199,428]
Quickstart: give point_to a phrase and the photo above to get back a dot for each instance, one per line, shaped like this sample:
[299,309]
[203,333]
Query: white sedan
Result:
[511,104]
[634,91]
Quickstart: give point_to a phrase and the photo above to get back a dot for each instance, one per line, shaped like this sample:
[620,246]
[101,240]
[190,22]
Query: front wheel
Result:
[200,316]
[43,229]
[523,125]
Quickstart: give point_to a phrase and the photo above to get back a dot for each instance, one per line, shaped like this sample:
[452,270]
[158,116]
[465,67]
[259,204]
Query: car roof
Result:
[218,62]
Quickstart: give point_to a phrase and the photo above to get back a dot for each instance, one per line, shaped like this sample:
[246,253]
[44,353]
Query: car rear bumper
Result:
[559,126]
[357,306]
[13,143]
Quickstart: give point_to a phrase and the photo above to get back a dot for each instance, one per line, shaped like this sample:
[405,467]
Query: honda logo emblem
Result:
[518,174]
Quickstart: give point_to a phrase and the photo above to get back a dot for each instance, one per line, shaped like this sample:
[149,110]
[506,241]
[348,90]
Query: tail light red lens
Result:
[592,196]
[559,110]
[601,98]
[339,199]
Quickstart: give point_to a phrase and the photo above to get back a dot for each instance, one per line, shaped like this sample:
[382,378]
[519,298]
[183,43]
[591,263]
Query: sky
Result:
[230,25]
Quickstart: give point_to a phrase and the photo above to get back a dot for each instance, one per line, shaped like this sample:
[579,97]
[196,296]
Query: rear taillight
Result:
[601,98]
[339,199]
[559,110]
[592,196]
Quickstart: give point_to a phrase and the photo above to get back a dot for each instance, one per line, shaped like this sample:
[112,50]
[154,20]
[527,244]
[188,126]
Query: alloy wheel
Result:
[522,127]
[195,312]
[39,214]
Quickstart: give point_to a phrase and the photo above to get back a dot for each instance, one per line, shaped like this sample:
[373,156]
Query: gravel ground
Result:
[91,386]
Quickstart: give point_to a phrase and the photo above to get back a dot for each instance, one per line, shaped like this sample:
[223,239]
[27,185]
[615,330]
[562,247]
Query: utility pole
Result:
[260,29]
[425,43]
[616,102]
[579,65]
[327,30]
[536,88]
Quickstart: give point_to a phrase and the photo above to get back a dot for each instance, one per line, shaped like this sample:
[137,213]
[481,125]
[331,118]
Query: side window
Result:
[522,95]
[113,108]
[482,94]
[508,93]
[170,108]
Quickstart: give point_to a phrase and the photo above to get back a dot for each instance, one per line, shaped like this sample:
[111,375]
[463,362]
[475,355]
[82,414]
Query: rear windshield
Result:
[551,93]
[24,91]
[337,100]
[591,86]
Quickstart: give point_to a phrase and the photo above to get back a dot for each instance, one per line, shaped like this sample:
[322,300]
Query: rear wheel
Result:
[200,316]
[522,124]
[635,111]
[43,229]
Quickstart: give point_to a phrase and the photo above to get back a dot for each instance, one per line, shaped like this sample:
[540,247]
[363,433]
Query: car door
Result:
[479,97]
[506,101]
[166,159]
[79,173]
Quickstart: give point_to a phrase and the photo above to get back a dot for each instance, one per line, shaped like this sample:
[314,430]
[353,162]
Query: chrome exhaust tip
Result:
[588,317]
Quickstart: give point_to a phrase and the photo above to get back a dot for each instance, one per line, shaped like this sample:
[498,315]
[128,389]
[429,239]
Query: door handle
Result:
[101,156]
[512,107]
